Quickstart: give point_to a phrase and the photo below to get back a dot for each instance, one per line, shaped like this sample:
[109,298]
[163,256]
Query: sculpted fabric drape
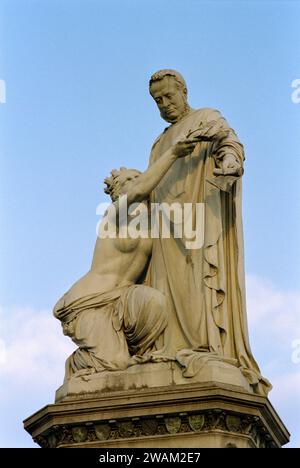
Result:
[113,329]
[205,286]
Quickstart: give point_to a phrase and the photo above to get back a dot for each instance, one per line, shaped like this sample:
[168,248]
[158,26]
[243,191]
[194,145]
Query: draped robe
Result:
[205,286]
[112,329]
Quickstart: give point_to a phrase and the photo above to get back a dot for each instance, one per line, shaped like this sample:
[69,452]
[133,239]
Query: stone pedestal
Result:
[150,375]
[129,409]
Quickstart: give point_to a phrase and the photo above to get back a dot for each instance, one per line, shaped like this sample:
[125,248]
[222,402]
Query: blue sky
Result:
[77,105]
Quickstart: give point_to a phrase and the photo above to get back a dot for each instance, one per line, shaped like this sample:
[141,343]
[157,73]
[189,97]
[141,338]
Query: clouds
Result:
[3,353]
[33,351]
[33,347]
[274,321]
[279,310]
[274,327]
[32,355]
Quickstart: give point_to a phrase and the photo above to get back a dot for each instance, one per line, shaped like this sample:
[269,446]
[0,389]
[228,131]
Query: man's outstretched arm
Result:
[140,187]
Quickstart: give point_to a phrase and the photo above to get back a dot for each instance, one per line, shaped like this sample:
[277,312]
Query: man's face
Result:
[170,100]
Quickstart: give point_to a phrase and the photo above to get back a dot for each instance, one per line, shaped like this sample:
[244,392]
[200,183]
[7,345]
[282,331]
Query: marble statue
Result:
[153,298]
[163,358]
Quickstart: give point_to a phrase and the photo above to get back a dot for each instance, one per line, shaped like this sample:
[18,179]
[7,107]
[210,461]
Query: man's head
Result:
[168,89]
[118,181]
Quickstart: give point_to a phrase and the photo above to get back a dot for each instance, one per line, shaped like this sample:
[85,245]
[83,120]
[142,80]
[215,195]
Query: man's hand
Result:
[184,147]
[229,166]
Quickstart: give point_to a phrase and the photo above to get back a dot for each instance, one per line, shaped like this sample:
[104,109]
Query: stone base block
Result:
[175,416]
[150,376]
[136,377]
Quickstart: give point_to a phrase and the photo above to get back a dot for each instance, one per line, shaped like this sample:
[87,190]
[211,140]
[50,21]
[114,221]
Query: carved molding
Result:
[171,424]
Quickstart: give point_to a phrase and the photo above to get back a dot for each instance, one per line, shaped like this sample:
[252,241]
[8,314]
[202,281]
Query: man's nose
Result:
[164,103]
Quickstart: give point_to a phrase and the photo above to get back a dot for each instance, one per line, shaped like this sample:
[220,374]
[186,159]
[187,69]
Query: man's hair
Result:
[159,75]
[117,178]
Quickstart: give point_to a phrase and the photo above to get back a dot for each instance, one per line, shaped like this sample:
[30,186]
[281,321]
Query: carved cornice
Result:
[215,420]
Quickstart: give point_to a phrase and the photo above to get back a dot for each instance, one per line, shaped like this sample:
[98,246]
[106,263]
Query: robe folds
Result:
[112,329]
[205,286]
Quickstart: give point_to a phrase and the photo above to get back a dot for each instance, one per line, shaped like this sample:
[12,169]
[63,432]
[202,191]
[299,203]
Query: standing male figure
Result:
[205,286]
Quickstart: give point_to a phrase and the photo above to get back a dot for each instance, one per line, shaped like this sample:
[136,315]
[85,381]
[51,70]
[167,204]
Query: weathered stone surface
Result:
[214,371]
[135,377]
[149,376]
